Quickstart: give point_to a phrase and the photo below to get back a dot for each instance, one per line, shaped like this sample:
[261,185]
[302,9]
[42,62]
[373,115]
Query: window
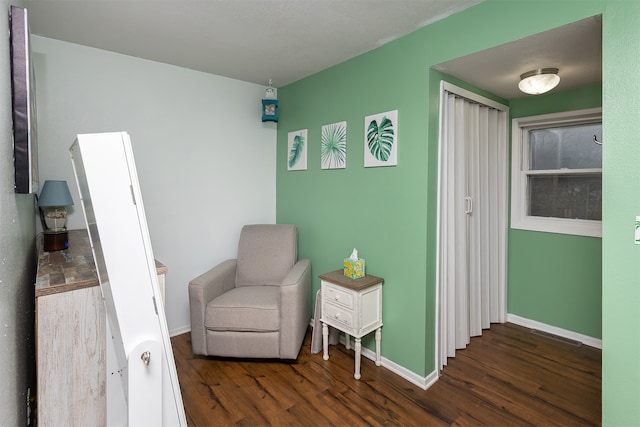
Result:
[556,173]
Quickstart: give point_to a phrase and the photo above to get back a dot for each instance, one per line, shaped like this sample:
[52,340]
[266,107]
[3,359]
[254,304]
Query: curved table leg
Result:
[325,341]
[358,354]
[378,340]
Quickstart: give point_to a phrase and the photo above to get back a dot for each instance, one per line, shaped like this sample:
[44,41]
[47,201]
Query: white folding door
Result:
[472,218]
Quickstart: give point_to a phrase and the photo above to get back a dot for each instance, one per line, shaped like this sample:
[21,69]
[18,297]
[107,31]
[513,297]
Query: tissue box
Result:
[354,269]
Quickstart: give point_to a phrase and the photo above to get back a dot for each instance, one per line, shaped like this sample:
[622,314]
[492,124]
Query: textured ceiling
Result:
[286,40]
[249,40]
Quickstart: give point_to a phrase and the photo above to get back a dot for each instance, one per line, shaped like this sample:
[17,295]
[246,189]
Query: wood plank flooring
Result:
[507,377]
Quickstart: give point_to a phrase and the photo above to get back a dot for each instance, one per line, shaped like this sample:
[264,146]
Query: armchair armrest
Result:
[202,290]
[295,308]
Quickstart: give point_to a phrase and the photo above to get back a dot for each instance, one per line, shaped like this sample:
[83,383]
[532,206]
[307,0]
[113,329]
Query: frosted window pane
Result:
[569,147]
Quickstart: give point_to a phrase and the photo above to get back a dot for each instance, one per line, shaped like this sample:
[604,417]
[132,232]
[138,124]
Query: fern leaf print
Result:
[297,155]
[296,150]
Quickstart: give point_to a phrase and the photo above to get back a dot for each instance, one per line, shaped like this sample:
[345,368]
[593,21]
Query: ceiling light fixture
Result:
[539,81]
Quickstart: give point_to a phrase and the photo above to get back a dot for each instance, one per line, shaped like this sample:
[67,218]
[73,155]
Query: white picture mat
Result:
[369,159]
[334,133]
[299,162]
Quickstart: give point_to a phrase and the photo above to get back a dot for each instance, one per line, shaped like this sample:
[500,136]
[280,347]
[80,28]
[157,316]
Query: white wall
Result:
[206,163]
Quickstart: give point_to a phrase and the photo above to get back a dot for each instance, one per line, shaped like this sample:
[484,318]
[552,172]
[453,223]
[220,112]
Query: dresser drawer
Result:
[332,314]
[337,295]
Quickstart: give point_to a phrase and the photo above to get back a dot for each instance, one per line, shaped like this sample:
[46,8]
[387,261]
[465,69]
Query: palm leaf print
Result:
[333,149]
[296,150]
[380,138]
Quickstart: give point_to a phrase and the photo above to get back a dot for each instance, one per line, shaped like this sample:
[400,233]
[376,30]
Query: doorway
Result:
[472,218]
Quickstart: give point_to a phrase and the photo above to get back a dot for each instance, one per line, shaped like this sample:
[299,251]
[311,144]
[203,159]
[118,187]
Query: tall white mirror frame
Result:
[142,382]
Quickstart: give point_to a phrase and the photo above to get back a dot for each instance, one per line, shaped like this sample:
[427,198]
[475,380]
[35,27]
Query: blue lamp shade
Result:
[55,193]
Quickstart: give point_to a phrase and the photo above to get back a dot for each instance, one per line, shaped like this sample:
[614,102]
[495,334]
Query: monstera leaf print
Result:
[333,148]
[296,150]
[380,138]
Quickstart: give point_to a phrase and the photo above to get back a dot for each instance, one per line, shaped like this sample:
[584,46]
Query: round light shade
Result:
[539,81]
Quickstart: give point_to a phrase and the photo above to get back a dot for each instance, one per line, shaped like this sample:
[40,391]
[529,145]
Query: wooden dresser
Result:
[70,335]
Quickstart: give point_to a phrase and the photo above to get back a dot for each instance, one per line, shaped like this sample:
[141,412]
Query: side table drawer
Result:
[333,313]
[337,295]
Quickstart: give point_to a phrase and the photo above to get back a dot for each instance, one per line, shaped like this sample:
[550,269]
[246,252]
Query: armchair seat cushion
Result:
[245,309]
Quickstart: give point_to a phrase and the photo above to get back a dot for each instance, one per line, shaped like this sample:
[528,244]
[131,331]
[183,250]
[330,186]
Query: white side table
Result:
[353,307]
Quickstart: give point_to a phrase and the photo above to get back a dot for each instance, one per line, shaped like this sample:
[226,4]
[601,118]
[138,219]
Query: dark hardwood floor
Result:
[507,377]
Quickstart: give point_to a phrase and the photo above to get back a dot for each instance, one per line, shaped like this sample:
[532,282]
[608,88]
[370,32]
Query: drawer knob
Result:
[337,315]
[337,297]
[146,357]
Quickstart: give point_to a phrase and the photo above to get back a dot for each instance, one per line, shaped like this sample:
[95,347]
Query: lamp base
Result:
[55,240]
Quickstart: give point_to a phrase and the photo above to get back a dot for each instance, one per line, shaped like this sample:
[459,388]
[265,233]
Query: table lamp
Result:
[53,200]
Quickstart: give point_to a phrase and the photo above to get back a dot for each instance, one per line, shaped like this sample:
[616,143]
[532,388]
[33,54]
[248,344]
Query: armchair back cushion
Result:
[266,253]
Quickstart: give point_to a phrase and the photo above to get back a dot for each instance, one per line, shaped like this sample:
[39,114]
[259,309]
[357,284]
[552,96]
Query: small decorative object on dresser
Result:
[353,306]
[354,266]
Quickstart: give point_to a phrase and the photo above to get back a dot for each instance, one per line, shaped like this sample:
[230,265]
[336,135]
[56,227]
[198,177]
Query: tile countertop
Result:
[69,269]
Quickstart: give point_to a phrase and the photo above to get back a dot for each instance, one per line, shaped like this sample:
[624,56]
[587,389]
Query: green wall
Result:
[389,213]
[620,205]
[553,278]
[556,279]
[379,211]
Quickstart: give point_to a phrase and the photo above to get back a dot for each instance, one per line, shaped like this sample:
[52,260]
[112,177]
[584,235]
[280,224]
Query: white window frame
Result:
[520,171]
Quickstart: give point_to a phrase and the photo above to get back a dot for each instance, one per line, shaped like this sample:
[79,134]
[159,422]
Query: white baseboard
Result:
[415,379]
[533,324]
[179,331]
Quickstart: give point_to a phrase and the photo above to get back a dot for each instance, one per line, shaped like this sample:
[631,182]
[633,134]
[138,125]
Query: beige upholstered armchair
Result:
[258,305]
